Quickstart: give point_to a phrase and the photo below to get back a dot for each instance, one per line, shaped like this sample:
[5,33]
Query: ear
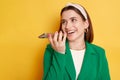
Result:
[86,24]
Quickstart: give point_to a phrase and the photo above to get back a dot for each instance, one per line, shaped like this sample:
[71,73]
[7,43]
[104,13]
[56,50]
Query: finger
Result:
[55,37]
[50,39]
[60,36]
[64,37]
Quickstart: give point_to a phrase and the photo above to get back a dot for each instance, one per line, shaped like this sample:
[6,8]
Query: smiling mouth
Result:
[70,32]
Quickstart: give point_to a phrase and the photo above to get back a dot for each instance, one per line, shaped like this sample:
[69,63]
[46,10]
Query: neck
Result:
[77,45]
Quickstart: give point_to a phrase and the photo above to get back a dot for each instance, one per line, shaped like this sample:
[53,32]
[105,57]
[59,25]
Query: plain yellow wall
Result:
[21,21]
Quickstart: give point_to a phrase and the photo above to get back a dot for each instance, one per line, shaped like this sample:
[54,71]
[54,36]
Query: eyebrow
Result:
[69,18]
[73,17]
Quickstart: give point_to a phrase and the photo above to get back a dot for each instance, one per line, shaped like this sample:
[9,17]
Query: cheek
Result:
[81,25]
[63,28]
[80,28]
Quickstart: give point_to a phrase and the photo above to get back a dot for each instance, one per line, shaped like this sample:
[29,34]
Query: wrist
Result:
[61,52]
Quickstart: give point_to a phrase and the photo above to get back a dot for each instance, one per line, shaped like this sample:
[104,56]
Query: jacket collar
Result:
[86,62]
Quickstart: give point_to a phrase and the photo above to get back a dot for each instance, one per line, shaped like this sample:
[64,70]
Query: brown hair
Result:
[89,33]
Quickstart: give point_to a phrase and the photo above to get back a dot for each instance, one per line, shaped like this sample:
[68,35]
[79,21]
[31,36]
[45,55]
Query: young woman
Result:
[71,54]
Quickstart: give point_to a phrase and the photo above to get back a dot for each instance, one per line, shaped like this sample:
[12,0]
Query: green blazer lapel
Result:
[69,63]
[88,62]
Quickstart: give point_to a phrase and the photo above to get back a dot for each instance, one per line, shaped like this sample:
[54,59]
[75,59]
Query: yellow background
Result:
[21,21]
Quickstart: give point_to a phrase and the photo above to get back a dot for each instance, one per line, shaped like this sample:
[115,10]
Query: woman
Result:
[70,54]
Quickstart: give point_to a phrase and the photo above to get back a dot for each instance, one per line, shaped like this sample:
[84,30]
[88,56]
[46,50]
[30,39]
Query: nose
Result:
[68,25]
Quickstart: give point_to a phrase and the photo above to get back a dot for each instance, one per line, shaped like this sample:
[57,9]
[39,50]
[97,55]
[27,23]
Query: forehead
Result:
[69,14]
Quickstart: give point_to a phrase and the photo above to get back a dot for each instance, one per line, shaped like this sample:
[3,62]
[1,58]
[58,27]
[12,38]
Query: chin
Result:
[71,38]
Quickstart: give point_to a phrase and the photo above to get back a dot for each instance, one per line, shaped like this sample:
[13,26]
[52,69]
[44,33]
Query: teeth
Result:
[69,32]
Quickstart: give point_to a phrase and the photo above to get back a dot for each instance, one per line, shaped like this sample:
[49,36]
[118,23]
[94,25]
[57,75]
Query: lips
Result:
[70,32]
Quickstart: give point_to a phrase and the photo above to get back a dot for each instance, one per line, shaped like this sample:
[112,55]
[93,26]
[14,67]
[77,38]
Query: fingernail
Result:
[48,34]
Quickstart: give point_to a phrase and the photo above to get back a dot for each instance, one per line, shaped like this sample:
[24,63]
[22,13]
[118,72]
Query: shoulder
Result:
[49,47]
[97,49]
[48,50]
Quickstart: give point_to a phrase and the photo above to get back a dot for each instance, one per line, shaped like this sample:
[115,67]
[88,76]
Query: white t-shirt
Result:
[77,56]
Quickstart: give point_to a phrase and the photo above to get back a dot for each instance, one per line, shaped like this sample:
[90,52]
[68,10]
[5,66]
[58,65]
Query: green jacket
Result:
[59,66]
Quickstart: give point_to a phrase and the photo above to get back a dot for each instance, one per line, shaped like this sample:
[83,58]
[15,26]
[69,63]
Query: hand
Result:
[58,41]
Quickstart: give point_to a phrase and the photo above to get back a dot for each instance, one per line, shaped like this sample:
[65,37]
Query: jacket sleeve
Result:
[104,69]
[53,63]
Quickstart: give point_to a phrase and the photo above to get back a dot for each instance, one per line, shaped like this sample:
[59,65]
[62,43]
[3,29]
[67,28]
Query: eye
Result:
[63,22]
[73,20]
